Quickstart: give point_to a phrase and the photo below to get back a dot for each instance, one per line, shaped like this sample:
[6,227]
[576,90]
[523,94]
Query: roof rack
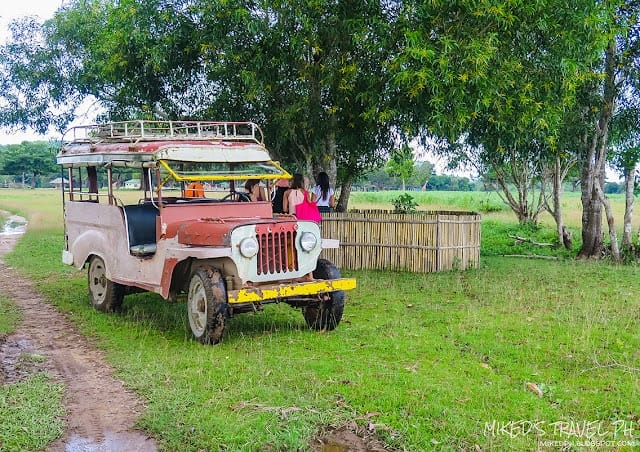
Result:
[143,130]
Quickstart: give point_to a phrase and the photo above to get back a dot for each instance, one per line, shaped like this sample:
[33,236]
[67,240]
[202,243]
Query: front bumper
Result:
[302,289]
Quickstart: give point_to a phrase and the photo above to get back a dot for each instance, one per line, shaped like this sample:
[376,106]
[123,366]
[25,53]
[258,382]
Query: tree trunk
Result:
[557,175]
[557,204]
[627,234]
[327,161]
[593,169]
[345,192]
[591,205]
[613,235]
[521,207]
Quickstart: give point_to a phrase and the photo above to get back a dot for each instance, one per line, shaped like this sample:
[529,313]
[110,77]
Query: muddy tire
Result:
[106,296]
[207,305]
[325,315]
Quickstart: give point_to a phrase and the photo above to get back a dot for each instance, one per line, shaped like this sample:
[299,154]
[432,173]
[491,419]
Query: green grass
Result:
[9,316]
[30,414]
[431,200]
[431,361]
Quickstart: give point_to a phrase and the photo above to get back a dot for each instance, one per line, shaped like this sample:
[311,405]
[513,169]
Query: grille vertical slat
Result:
[271,252]
[277,249]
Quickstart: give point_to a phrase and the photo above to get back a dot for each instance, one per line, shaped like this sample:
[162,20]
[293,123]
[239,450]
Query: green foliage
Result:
[487,206]
[422,172]
[449,183]
[508,68]
[625,139]
[313,74]
[422,178]
[401,164]
[404,204]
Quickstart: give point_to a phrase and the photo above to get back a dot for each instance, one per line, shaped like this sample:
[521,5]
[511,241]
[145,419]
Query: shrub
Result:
[404,204]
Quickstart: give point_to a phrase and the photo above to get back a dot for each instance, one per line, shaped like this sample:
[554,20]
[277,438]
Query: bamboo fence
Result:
[422,242]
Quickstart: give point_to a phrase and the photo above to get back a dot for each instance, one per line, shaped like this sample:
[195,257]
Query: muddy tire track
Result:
[100,412]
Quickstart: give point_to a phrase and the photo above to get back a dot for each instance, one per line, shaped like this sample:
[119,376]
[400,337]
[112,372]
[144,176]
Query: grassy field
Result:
[514,355]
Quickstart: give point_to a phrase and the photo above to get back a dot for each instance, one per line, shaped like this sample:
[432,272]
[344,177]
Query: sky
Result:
[14,9]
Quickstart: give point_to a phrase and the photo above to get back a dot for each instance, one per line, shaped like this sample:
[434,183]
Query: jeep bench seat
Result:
[141,228]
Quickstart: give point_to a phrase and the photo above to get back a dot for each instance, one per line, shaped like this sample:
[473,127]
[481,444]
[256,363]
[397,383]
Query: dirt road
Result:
[101,412]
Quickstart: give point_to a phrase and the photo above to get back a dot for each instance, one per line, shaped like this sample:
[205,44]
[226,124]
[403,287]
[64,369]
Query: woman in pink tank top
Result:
[295,195]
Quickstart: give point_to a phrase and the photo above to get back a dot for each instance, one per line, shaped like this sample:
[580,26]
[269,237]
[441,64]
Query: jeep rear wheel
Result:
[207,305]
[106,296]
[326,314]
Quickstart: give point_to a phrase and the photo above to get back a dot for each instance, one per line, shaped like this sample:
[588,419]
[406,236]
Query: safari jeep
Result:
[190,229]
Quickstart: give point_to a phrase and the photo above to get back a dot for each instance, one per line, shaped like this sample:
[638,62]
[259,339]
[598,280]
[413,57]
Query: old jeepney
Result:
[190,229]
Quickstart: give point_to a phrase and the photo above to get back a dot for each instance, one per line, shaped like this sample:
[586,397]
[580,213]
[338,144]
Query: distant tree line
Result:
[421,178]
[33,164]
[30,164]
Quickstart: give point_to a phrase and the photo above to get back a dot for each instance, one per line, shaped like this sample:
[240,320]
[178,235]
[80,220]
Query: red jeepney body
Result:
[159,242]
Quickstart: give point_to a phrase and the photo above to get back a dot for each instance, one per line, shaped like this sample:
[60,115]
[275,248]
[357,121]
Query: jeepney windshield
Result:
[219,171]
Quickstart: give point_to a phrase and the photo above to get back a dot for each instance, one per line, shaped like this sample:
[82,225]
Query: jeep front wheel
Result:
[207,305]
[326,314]
[106,296]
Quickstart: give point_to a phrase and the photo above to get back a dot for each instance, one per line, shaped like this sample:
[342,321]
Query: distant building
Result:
[133,184]
[58,181]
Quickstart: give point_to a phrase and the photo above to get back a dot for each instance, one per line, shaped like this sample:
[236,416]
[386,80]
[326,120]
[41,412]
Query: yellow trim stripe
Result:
[226,177]
[289,290]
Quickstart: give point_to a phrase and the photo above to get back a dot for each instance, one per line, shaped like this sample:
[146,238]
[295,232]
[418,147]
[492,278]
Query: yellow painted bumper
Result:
[289,290]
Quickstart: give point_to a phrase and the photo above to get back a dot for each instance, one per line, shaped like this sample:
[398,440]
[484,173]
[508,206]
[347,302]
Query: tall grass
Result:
[427,361]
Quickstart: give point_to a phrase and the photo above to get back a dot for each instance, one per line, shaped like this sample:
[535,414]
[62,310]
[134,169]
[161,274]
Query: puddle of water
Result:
[11,353]
[14,225]
[334,448]
[113,442]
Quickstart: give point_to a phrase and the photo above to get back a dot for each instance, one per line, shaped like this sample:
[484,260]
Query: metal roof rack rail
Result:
[143,130]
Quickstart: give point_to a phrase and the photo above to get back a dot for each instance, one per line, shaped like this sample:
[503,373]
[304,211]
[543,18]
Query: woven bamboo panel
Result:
[422,242]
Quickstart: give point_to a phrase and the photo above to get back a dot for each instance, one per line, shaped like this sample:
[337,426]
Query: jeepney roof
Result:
[144,143]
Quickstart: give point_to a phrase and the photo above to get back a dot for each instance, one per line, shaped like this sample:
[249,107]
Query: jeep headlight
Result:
[249,247]
[308,241]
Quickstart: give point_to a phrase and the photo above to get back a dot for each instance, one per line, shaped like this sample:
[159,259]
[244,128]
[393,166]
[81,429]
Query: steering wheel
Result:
[237,196]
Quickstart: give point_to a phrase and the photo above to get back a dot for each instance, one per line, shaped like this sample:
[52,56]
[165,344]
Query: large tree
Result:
[618,72]
[312,73]
[495,80]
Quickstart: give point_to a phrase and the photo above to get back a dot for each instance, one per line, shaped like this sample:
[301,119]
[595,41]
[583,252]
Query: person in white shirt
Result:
[323,194]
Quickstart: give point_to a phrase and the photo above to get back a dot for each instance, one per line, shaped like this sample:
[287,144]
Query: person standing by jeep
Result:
[277,199]
[323,194]
[295,195]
